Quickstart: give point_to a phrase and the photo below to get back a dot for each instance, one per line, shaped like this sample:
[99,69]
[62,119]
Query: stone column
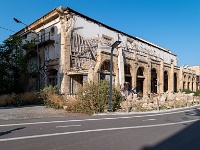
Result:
[148,75]
[116,71]
[133,73]
[121,66]
[145,86]
[194,85]
[186,83]
[171,79]
[97,67]
[65,54]
[161,77]
[180,87]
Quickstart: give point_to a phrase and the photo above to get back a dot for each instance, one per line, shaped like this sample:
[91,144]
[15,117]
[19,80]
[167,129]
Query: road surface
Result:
[167,130]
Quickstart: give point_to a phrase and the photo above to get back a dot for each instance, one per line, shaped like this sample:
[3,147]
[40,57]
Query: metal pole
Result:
[38,62]
[111,66]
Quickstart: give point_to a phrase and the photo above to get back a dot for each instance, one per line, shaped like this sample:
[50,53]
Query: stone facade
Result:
[197,71]
[74,48]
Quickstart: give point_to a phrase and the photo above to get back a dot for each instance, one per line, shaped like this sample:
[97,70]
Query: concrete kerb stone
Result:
[146,112]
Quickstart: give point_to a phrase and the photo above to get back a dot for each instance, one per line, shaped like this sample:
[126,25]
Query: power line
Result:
[7,29]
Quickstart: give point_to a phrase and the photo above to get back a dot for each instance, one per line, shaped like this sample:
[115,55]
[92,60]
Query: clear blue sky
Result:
[172,24]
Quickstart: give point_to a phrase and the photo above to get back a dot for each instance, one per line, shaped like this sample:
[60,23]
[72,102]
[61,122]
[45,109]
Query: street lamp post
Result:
[38,59]
[111,66]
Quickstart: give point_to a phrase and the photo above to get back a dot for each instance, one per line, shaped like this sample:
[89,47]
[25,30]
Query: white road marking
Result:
[149,120]
[68,126]
[98,119]
[94,130]
[193,114]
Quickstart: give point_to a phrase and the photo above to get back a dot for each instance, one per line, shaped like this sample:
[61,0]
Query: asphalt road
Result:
[167,130]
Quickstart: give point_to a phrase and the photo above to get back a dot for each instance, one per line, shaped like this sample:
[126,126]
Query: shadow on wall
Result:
[187,139]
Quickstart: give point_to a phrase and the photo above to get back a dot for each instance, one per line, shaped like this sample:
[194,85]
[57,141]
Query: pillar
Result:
[161,77]
[121,66]
[148,75]
[171,79]
[180,87]
[64,63]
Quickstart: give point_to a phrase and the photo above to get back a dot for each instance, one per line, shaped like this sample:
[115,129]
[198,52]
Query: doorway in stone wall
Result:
[140,81]
[165,81]
[128,78]
[153,81]
[188,86]
[52,77]
[175,82]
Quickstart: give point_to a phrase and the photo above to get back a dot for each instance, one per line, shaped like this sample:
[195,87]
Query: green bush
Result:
[93,98]
[187,91]
[197,93]
[51,97]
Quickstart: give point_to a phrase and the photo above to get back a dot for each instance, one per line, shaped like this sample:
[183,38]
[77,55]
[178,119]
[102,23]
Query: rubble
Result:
[166,100]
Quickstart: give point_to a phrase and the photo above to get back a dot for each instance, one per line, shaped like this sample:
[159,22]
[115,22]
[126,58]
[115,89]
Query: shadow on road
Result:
[187,139]
[8,132]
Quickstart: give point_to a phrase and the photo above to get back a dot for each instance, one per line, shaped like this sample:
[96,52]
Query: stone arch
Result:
[184,82]
[175,82]
[140,78]
[189,83]
[153,80]
[194,83]
[105,66]
[192,86]
[165,87]
[128,74]
[105,70]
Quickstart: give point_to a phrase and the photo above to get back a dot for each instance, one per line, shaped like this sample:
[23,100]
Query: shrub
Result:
[187,91]
[197,93]
[51,97]
[93,98]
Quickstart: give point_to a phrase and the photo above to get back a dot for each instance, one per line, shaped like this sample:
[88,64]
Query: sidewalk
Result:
[33,111]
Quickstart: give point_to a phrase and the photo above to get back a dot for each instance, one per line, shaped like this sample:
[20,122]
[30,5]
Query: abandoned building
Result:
[197,71]
[71,49]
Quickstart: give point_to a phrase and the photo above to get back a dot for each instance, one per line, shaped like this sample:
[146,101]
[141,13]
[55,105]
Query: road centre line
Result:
[98,119]
[94,130]
[149,120]
[68,126]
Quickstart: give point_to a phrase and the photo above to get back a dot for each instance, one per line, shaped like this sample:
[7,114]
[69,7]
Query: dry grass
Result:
[29,97]
[72,104]
[6,100]
[56,100]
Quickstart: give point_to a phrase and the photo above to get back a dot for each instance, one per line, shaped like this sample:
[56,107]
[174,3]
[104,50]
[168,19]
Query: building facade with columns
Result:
[197,72]
[71,49]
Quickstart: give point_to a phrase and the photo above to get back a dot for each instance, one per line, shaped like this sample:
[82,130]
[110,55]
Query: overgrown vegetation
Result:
[93,98]
[51,97]
[197,93]
[14,66]
[27,98]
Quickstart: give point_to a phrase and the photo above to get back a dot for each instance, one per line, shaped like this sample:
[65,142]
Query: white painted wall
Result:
[89,30]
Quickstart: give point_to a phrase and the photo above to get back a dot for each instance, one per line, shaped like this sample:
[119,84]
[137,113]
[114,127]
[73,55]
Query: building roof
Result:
[95,21]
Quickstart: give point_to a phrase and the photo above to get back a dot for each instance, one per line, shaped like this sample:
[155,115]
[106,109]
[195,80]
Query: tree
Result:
[13,66]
